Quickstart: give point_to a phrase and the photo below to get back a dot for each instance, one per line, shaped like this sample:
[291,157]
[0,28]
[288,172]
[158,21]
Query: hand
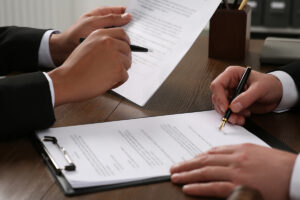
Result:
[97,65]
[219,171]
[262,94]
[61,45]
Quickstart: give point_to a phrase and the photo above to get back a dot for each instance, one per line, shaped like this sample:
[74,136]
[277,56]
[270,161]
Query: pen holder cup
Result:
[229,33]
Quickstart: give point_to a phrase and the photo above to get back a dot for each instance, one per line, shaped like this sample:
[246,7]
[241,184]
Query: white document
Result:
[139,149]
[168,28]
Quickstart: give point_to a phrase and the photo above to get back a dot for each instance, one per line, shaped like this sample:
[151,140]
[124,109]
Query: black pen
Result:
[133,48]
[237,92]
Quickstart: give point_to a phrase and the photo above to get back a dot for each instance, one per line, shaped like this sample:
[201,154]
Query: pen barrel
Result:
[133,48]
[242,83]
[227,114]
[239,89]
[138,48]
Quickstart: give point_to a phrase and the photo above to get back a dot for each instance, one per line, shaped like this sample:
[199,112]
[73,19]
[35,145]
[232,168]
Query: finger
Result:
[123,47]
[234,118]
[213,189]
[240,118]
[106,10]
[217,105]
[111,20]
[226,81]
[117,85]
[123,79]
[228,149]
[246,113]
[237,119]
[218,110]
[246,99]
[202,161]
[125,60]
[125,53]
[219,96]
[117,33]
[205,174]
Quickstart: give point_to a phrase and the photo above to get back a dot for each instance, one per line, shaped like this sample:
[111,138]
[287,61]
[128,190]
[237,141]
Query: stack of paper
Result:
[139,149]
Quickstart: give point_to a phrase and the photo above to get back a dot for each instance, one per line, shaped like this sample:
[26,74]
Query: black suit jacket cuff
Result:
[25,104]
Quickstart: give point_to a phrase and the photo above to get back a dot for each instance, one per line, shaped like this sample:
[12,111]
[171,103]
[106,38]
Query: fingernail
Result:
[185,187]
[175,178]
[174,166]
[126,15]
[237,107]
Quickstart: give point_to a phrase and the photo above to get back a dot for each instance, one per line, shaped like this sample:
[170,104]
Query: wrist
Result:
[60,48]
[60,87]
[279,88]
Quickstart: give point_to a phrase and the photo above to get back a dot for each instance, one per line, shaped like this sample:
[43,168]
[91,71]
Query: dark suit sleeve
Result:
[19,48]
[25,100]
[293,70]
[25,104]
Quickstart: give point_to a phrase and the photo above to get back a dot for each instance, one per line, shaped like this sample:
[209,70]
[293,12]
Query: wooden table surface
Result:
[23,175]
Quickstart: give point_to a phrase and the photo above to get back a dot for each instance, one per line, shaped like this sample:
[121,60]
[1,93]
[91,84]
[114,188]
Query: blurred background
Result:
[269,17]
[57,14]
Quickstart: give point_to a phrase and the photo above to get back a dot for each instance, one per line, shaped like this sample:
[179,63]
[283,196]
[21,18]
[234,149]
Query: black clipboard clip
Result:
[70,167]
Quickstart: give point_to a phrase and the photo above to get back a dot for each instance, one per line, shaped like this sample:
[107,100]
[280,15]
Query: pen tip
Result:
[222,125]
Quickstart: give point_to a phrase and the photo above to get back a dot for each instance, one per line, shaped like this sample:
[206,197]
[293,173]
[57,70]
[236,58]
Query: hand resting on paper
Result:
[217,172]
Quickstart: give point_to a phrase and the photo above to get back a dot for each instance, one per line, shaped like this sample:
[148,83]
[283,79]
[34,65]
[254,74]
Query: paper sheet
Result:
[168,28]
[123,151]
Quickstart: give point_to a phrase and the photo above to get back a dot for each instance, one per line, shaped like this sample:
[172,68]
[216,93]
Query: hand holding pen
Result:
[134,48]
[261,94]
[237,92]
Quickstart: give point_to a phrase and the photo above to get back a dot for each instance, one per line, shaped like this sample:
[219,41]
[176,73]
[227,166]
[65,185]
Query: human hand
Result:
[262,94]
[217,172]
[61,45]
[97,65]
[245,193]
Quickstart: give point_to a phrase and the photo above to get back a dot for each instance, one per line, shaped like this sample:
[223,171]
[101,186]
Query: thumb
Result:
[245,99]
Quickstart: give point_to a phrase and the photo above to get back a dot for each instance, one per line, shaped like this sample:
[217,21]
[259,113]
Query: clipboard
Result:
[65,185]
[69,191]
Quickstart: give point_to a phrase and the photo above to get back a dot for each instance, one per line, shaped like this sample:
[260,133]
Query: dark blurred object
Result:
[296,14]
[245,193]
[229,33]
[257,11]
[277,13]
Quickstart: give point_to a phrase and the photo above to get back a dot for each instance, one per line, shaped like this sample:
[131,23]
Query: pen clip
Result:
[70,167]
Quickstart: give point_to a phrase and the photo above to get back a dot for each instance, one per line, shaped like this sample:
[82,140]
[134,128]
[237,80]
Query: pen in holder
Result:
[229,33]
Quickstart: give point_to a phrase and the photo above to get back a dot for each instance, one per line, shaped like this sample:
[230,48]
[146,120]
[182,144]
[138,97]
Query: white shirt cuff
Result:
[295,181]
[51,88]
[45,59]
[289,93]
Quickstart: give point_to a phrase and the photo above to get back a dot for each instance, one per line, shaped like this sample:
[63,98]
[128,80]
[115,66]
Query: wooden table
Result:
[23,174]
